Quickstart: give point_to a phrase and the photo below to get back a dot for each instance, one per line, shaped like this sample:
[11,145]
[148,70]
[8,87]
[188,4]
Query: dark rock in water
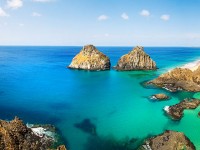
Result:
[137,59]
[176,111]
[199,114]
[61,147]
[14,135]
[169,140]
[179,79]
[90,58]
[86,126]
[160,96]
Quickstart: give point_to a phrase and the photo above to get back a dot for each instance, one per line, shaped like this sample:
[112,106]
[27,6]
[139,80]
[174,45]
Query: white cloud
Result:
[3,13]
[42,1]
[165,17]
[14,4]
[102,17]
[145,13]
[36,14]
[21,24]
[106,35]
[125,16]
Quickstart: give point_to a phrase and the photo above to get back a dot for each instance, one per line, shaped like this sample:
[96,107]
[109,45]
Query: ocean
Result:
[92,109]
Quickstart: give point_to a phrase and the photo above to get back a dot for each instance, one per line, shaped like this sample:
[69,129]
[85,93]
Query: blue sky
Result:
[100,22]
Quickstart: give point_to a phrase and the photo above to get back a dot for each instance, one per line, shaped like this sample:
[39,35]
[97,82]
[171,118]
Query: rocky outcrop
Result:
[61,147]
[169,140]
[90,58]
[179,79]
[176,111]
[160,96]
[136,59]
[15,135]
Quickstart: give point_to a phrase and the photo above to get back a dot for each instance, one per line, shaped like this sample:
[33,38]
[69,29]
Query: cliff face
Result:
[90,58]
[169,140]
[14,135]
[179,79]
[137,59]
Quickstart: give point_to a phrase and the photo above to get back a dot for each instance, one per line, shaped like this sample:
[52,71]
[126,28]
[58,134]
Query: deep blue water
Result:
[36,86]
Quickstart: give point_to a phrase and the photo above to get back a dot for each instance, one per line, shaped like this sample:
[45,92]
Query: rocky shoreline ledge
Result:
[15,135]
[176,111]
[179,79]
[136,59]
[90,58]
[169,140]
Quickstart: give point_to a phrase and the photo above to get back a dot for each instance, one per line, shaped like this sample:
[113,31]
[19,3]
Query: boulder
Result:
[160,96]
[136,59]
[90,58]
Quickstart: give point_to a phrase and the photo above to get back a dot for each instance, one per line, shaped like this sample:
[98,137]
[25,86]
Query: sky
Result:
[100,22]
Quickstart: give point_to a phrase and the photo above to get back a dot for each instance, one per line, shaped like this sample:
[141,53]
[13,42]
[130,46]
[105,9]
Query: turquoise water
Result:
[36,86]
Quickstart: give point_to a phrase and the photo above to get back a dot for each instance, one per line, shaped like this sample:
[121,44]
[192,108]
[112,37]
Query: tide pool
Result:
[36,86]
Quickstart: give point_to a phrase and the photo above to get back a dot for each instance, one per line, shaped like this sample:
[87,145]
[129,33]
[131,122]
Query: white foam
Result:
[166,108]
[40,131]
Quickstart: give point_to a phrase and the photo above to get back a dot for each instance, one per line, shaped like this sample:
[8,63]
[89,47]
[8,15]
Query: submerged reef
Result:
[176,111]
[110,143]
[169,140]
[90,58]
[87,126]
[136,59]
[15,135]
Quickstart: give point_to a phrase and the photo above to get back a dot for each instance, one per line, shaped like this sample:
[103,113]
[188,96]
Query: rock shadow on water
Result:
[86,126]
[148,86]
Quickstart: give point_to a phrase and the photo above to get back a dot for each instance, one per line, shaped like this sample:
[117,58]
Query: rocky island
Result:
[169,140]
[176,111]
[90,58]
[136,59]
[160,96]
[179,79]
[15,135]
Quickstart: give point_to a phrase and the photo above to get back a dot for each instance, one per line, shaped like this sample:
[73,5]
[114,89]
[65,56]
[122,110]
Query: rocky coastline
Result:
[179,79]
[136,59]
[90,58]
[176,111]
[169,140]
[15,135]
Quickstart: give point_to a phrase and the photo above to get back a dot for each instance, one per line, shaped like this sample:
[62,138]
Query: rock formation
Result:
[90,58]
[14,135]
[169,140]
[179,79]
[176,111]
[136,59]
[160,96]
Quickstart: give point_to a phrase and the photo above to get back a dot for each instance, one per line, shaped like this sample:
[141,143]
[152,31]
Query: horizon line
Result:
[92,44]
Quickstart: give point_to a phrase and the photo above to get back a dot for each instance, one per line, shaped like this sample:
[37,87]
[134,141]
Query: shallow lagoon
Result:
[36,86]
